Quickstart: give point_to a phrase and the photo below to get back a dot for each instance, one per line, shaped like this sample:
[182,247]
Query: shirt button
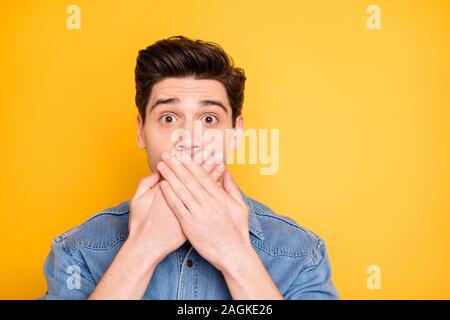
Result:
[189,263]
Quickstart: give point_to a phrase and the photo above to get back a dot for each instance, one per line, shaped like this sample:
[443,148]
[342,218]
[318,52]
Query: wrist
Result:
[237,266]
[145,256]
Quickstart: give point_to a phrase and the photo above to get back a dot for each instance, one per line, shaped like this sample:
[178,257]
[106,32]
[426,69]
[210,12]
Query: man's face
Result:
[186,115]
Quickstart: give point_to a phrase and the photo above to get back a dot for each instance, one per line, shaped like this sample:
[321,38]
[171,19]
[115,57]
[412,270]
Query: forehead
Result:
[189,87]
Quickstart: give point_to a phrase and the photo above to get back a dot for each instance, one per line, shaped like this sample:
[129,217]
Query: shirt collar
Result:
[254,225]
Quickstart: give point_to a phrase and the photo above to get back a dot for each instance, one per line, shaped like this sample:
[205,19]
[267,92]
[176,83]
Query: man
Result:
[188,232]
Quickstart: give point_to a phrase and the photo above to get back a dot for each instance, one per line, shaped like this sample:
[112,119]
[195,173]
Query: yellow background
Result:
[363,118]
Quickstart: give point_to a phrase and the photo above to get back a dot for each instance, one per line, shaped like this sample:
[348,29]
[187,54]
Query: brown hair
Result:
[179,56]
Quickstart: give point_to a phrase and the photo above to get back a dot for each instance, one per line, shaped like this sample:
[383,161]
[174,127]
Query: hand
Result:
[153,227]
[214,219]
[154,231]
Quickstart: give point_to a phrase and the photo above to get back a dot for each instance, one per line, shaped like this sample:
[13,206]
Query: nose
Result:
[187,148]
[190,140]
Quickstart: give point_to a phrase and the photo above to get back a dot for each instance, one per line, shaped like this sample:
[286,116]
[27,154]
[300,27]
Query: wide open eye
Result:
[209,119]
[168,119]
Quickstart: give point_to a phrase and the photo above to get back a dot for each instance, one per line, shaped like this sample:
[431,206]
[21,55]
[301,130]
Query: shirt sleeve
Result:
[314,281]
[67,278]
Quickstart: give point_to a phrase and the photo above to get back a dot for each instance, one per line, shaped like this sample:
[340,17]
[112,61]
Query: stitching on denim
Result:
[264,211]
[102,246]
[282,251]
[69,232]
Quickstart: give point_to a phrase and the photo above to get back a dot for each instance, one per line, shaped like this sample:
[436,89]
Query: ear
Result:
[238,132]
[140,132]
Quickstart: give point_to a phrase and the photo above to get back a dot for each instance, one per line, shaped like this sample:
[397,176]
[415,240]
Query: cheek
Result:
[157,141]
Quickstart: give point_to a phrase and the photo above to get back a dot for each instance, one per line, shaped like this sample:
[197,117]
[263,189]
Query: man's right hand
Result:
[154,232]
[153,228]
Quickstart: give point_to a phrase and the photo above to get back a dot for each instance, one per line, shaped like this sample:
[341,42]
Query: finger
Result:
[180,189]
[201,156]
[231,188]
[216,173]
[146,183]
[174,202]
[186,177]
[204,179]
[206,160]
[213,160]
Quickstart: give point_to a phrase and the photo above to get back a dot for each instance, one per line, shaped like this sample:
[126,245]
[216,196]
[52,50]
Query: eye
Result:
[209,119]
[168,119]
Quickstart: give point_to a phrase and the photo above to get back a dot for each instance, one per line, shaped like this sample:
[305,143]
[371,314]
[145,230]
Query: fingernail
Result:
[205,155]
[161,165]
[218,157]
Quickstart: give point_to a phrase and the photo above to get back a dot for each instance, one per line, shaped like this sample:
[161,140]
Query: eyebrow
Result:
[207,102]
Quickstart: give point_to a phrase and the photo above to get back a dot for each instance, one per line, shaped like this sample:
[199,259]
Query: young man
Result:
[188,232]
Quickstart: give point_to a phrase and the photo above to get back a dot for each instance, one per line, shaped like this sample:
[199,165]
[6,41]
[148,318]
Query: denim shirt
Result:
[295,258]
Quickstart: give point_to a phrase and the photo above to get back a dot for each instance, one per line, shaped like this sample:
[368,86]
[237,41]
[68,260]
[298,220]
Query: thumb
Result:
[146,183]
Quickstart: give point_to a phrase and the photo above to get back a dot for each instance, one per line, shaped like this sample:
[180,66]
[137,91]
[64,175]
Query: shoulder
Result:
[101,231]
[282,235]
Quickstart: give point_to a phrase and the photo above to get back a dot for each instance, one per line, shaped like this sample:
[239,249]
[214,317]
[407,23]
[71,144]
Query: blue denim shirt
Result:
[295,258]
